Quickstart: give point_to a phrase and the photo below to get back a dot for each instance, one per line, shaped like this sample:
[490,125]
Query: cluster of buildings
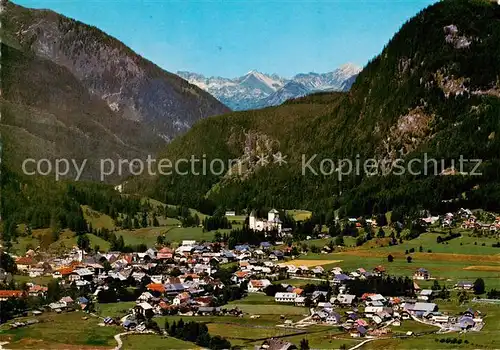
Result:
[466,220]
[181,281]
[178,278]
[364,315]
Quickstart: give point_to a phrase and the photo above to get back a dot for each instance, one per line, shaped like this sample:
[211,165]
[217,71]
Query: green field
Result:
[243,334]
[299,215]
[154,342]
[169,227]
[446,268]
[97,219]
[67,239]
[461,245]
[448,263]
[156,203]
[61,331]
[119,309]
[260,304]
[241,331]
[238,218]
[297,282]
[149,235]
[23,244]
[413,326]
[42,280]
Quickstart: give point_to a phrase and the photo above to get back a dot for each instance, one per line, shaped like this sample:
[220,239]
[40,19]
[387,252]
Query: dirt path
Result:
[363,343]
[119,339]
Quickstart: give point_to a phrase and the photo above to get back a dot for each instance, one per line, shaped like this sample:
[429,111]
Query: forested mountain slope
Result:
[434,89]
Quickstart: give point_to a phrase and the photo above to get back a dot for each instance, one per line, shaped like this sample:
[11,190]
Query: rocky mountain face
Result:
[48,114]
[258,90]
[433,93]
[291,90]
[132,87]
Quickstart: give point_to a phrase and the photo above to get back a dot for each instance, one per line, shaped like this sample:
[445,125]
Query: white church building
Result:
[273,222]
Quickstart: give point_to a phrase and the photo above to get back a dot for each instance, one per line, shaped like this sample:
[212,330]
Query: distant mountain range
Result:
[258,90]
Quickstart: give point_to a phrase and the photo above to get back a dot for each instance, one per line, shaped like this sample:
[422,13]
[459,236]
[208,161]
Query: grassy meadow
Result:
[61,331]
[154,342]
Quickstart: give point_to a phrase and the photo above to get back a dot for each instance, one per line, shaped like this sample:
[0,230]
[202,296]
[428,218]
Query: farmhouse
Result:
[143,307]
[379,270]
[464,285]
[181,298]
[63,272]
[358,331]
[440,318]
[422,274]
[419,309]
[24,263]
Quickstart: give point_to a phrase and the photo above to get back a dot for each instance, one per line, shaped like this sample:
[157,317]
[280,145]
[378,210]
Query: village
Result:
[204,279]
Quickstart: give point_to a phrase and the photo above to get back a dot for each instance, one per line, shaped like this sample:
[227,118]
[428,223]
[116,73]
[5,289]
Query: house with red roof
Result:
[63,272]
[156,287]
[6,294]
[37,290]
[379,270]
[23,263]
[258,285]
[165,253]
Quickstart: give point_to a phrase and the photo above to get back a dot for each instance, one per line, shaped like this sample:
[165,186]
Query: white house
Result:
[35,272]
[143,307]
[285,297]
[370,310]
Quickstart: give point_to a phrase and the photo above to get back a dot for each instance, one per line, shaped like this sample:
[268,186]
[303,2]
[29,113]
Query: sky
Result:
[231,37]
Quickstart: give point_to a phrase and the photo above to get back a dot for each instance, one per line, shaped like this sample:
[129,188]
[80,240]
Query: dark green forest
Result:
[453,91]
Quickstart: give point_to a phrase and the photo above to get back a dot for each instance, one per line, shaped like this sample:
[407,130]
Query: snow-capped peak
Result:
[255,79]
[256,89]
[350,68]
[253,71]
